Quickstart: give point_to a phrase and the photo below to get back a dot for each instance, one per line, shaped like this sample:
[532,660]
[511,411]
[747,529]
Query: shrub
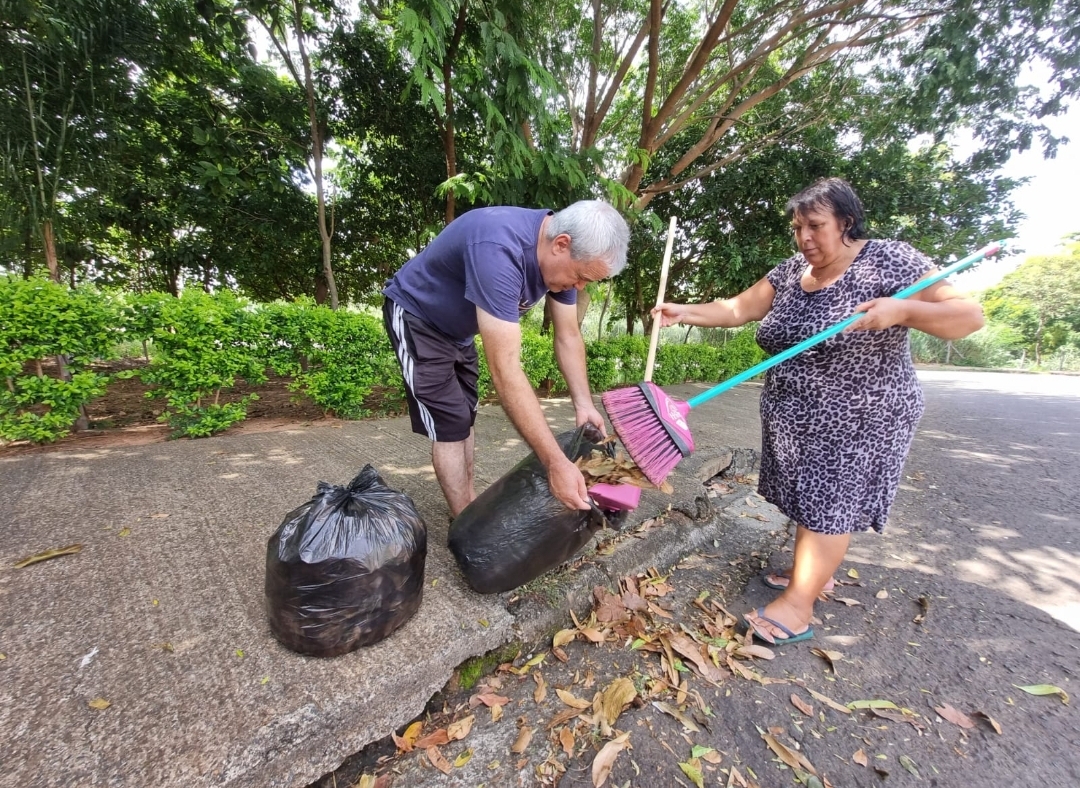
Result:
[204,342]
[350,355]
[41,320]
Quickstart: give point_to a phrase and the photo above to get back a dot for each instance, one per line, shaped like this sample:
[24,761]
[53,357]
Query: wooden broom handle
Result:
[650,361]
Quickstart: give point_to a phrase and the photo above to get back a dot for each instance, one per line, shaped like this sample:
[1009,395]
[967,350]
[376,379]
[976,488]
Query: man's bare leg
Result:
[454,469]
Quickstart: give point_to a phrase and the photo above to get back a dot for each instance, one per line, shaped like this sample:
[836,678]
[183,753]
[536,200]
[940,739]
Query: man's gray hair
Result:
[597,232]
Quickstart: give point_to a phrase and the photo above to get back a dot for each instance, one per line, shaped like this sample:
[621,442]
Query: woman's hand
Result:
[880,313]
[671,314]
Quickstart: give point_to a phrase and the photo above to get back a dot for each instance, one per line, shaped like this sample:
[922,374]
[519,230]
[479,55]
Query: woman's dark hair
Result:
[836,196]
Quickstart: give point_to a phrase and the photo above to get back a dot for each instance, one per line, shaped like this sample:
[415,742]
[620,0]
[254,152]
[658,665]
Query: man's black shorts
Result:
[440,376]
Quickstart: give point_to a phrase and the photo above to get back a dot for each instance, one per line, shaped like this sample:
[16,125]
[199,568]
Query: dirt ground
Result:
[126,416]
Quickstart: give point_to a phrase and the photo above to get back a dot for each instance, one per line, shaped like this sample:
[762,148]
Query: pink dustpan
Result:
[616,497]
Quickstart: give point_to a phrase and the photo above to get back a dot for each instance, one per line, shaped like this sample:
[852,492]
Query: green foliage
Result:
[349,355]
[682,363]
[40,321]
[204,343]
[1040,300]
[994,345]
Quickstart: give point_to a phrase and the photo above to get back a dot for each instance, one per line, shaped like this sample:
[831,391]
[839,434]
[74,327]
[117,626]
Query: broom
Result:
[652,425]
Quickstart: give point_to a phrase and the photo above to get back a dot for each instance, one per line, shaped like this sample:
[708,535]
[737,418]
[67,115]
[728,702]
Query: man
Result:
[484,271]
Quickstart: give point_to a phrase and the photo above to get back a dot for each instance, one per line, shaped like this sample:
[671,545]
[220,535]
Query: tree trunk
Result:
[583,301]
[603,311]
[50,249]
[449,142]
[317,154]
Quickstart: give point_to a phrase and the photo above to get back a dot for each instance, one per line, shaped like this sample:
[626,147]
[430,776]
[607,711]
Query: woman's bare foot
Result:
[779,580]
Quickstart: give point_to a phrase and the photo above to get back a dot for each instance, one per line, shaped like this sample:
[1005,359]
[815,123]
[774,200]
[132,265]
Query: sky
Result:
[1049,201]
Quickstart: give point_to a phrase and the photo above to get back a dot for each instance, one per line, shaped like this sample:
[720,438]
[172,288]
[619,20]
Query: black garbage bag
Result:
[345,569]
[516,529]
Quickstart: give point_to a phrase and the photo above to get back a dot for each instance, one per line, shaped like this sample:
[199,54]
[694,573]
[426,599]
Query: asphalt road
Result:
[971,594]
[999,506]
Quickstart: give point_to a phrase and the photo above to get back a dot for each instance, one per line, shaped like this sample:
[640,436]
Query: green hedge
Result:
[41,321]
[203,344]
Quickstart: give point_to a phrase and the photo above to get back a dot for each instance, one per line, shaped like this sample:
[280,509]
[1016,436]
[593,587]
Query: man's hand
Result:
[588,414]
[880,313]
[568,485]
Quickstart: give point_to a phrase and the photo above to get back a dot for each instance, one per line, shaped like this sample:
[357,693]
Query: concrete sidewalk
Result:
[161,613]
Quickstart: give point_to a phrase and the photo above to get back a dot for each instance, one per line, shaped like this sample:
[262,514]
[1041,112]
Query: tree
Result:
[710,84]
[64,78]
[1042,299]
[281,18]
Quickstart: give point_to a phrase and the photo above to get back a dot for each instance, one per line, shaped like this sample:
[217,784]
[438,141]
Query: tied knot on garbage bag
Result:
[516,529]
[345,569]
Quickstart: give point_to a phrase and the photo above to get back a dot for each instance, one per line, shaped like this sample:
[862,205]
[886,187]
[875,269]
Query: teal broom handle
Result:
[821,336]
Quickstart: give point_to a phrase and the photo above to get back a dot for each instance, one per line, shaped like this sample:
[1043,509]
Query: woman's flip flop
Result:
[789,636]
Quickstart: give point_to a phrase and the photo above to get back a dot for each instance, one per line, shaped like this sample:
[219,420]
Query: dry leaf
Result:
[712,756]
[754,650]
[566,740]
[924,605]
[853,574]
[438,761]
[436,738]
[735,778]
[898,716]
[365,781]
[832,704]
[793,758]
[860,757]
[559,654]
[954,716]
[406,741]
[488,699]
[463,758]
[524,737]
[562,637]
[616,696]
[882,594]
[460,729]
[609,607]
[572,700]
[593,635]
[99,703]
[56,552]
[848,601]
[605,759]
[832,657]
[541,688]
[496,713]
[563,716]
[982,715]
[802,705]
[687,723]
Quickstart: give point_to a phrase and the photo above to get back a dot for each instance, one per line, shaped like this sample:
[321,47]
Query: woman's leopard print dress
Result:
[837,420]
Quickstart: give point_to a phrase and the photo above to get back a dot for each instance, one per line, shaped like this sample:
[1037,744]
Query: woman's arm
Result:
[939,310]
[751,304]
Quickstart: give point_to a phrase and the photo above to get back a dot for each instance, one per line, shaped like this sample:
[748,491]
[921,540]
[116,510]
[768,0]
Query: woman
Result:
[837,419]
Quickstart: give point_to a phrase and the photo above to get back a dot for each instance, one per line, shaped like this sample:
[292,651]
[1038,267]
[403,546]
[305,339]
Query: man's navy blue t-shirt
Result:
[484,258]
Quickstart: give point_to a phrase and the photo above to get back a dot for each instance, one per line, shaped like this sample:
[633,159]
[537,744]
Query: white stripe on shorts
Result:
[407,363]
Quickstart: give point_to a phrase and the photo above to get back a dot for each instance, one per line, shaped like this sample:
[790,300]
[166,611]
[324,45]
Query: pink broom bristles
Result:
[652,427]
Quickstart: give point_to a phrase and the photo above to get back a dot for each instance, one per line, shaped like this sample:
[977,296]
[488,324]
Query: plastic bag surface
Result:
[516,529]
[345,569]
